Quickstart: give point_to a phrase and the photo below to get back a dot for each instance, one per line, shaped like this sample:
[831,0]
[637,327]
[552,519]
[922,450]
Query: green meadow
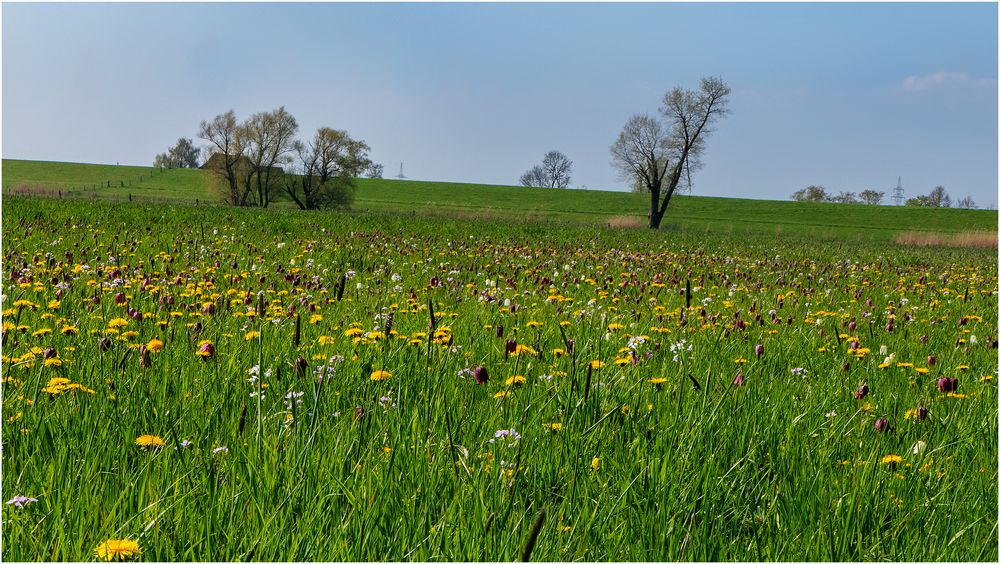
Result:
[831,222]
[407,382]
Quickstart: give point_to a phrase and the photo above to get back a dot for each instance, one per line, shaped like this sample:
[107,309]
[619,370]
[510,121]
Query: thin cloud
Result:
[938,79]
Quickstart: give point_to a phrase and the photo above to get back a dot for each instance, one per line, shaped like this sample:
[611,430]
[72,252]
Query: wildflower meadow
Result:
[185,383]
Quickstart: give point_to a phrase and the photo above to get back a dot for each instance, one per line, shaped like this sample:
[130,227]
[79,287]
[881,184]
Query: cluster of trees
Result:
[656,154]
[182,155]
[939,198]
[258,159]
[554,172]
[819,194]
[248,157]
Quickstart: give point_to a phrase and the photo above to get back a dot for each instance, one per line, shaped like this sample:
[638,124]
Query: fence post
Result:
[130,197]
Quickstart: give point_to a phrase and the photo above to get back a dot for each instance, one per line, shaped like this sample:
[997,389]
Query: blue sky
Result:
[848,96]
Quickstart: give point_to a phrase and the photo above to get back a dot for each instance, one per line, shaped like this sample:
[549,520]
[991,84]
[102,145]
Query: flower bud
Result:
[481,375]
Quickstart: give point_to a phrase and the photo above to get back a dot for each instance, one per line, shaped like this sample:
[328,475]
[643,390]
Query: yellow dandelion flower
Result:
[514,380]
[524,350]
[615,326]
[596,364]
[921,370]
[380,375]
[353,332]
[149,441]
[535,324]
[502,394]
[53,362]
[891,459]
[119,322]
[117,549]
[595,463]
[69,330]
[154,345]
[325,340]
[558,352]
[250,335]
[657,381]
[553,426]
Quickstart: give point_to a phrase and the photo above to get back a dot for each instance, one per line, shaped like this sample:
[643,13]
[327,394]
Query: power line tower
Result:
[400,175]
[897,192]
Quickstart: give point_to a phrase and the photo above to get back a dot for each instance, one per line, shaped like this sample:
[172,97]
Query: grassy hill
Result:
[693,213]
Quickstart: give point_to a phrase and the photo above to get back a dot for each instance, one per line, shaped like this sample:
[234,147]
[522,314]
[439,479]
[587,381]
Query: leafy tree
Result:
[966,203]
[871,197]
[182,155]
[939,198]
[659,154]
[327,166]
[811,193]
[554,172]
[374,170]
[845,198]
[919,201]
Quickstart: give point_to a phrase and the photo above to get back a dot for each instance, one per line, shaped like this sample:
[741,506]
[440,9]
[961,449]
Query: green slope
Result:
[726,215]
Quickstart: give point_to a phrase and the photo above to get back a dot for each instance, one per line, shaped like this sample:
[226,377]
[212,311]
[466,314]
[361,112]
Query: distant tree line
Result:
[938,197]
[257,159]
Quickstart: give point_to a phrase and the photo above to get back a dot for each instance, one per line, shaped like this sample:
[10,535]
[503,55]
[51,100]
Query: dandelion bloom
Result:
[250,335]
[596,364]
[149,441]
[595,463]
[117,549]
[380,375]
[154,345]
[657,381]
[891,459]
[515,380]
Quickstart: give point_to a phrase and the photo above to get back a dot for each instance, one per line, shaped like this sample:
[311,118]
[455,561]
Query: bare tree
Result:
[227,159]
[966,203]
[535,177]
[327,167]
[660,155]
[557,169]
[182,155]
[554,172]
[269,138]
[871,197]
[374,170]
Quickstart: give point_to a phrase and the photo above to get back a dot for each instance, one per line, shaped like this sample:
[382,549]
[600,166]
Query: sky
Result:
[847,96]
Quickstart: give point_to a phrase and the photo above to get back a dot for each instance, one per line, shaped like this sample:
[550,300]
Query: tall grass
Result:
[964,239]
[651,453]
